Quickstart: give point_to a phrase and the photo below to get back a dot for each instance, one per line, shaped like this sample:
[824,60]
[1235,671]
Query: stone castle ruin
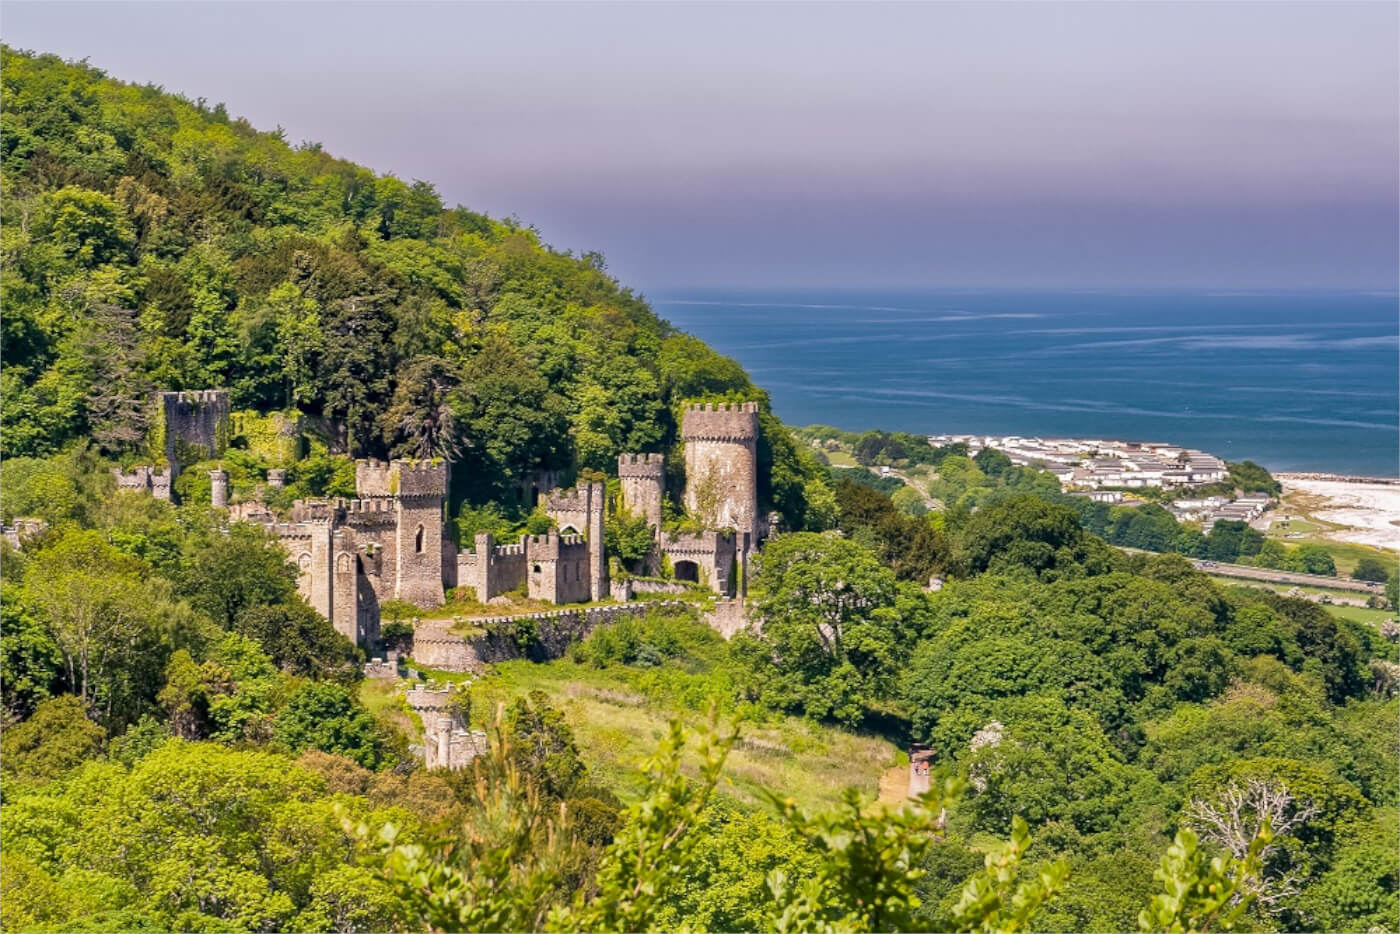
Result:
[187,427]
[567,566]
[388,543]
[447,743]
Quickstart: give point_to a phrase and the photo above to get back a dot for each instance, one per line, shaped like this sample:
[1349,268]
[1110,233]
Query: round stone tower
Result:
[218,489]
[643,478]
[721,465]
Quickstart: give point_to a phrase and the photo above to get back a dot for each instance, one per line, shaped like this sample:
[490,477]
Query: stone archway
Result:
[687,571]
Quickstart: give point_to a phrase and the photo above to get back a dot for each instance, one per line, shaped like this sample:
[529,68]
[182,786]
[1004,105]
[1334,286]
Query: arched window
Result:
[418,540]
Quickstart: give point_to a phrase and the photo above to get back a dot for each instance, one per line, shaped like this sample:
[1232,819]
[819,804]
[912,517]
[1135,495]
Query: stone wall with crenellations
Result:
[536,636]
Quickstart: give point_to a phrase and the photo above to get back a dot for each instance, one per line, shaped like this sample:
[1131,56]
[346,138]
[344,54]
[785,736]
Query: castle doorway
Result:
[687,571]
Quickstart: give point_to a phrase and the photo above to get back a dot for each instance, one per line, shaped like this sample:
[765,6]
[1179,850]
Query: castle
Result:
[388,543]
[187,427]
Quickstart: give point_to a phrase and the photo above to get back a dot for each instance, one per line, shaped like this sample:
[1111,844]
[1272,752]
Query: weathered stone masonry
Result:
[721,467]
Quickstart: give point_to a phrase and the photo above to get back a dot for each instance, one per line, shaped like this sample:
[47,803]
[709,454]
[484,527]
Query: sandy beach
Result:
[1370,511]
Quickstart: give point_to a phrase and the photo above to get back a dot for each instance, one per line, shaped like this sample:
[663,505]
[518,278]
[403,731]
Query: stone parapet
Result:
[720,421]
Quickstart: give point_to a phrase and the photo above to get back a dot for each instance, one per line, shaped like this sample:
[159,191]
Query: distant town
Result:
[1104,470]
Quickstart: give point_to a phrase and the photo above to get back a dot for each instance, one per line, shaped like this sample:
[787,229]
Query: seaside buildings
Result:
[1091,464]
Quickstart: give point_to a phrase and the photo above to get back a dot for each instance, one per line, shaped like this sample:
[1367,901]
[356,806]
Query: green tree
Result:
[1370,569]
[106,619]
[31,665]
[300,641]
[225,572]
[325,716]
[543,746]
[831,631]
[55,740]
[419,421]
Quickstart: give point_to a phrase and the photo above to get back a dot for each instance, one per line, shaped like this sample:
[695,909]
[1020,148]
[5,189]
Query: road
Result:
[1286,577]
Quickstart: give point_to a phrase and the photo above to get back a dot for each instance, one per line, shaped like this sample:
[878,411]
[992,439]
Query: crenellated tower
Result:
[643,480]
[580,511]
[419,489]
[721,467]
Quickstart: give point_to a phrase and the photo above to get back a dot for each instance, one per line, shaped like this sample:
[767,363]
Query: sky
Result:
[1023,145]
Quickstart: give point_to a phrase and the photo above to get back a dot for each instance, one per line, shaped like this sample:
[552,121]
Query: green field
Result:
[1359,614]
[841,459]
[619,714]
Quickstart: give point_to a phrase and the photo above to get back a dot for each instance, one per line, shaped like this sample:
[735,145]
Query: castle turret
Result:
[643,478]
[580,510]
[419,489]
[721,466]
[218,489]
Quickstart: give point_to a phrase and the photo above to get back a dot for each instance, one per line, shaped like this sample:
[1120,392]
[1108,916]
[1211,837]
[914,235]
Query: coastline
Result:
[1364,510]
[1335,478]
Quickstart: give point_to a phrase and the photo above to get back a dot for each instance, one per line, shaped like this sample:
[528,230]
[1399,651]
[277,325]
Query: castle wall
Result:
[492,569]
[153,480]
[582,510]
[196,425]
[728,617]
[721,465]
[716,554]
[560,568]
[536,636]
[447,743]
[643,481]
[374,520]
[345,591]
[218,489]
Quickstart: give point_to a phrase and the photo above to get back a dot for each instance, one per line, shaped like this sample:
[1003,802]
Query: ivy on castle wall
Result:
[155,432]
[274,439]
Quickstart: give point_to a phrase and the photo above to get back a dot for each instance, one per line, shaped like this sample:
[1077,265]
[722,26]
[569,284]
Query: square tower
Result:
[419,489]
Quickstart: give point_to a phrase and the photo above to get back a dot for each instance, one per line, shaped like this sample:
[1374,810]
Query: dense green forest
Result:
[151,242]
[1116,741]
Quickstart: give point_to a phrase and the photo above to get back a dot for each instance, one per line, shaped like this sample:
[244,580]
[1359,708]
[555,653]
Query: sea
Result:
[1293,381]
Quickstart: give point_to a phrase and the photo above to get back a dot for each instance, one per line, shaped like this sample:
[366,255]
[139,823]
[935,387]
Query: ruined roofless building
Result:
[188,427]
[567,566]
[721,467]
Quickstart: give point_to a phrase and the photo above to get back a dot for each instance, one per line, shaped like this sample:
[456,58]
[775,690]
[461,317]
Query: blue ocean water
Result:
[1292,381]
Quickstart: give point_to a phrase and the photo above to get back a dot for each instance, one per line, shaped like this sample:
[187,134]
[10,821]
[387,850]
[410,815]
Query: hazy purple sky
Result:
[1085,145]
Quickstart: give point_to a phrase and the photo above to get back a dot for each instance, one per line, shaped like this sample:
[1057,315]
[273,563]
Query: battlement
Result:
[720,421]
[641,465]
[428,697]
[575,500]
[504,551]
[292,531]
[195,397]
[421,478]
[400,478]
[138,478]
[704,542]
[153,480]
[555,547]
[372,504]
[373,478]
[320,510]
